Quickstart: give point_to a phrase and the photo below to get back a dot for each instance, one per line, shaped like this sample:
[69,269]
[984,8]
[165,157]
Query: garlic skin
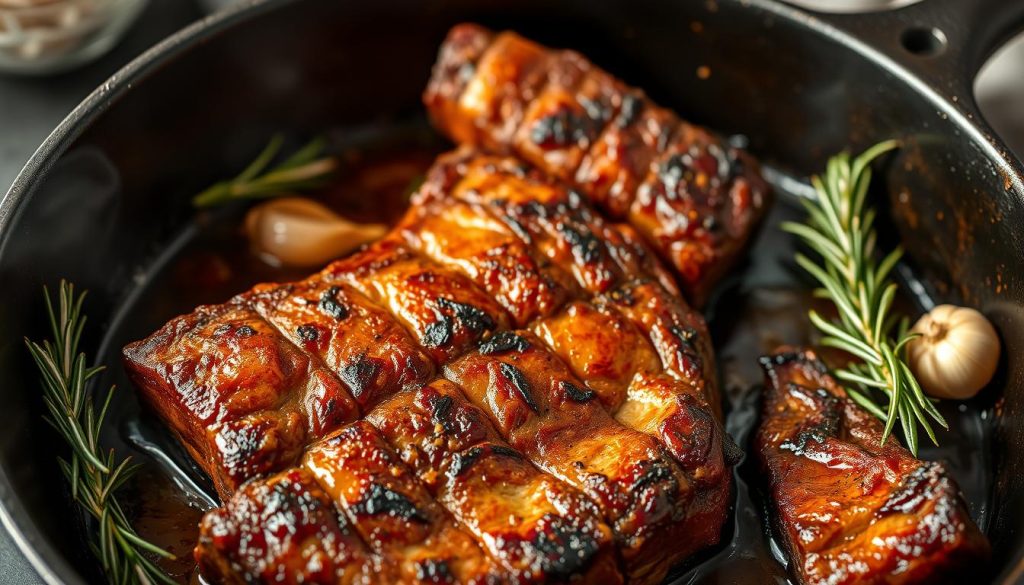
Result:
[296,231]
[957,353]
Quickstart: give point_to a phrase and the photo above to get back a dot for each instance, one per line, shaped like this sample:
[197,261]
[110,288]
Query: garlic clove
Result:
[957,353]
[296,231]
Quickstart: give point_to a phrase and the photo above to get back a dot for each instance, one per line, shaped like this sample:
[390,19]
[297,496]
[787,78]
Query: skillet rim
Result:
[51,564]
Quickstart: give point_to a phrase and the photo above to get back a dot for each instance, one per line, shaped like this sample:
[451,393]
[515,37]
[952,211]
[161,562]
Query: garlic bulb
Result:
[296,231]
[957,353]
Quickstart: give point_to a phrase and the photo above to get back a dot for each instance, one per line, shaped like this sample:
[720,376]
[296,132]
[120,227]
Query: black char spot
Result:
[585,245]
[359,374]
[685,334]
[631,108]
[471,317]
[442,412]
[518,228]
[575,393]
[307,332]
[439,333]
[245,331]
[655,472]
[466,459]
[503,342]
[688,336]
[506,451]
[562,129]
[676,171]
[565,550]
[828,426]
[433,571]
[518,380]
[330,304]
[381,500]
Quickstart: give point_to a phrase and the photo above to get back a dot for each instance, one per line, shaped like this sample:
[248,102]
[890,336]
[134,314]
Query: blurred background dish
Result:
[47,36]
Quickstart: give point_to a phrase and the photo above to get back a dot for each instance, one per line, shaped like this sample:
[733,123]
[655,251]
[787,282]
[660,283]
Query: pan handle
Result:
[943,42]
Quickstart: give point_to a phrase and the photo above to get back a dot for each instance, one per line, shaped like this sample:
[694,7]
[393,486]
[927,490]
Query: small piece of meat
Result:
[693,197]
[573,437]
[849,510]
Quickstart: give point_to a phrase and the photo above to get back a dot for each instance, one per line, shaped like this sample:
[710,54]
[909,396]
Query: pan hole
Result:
[923,41]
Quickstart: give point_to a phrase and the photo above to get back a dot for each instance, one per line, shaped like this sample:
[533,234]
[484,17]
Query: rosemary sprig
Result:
[94,475]
[839,227]
[302,171]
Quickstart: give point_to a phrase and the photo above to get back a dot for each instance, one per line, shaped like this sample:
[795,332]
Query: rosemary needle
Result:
[304,170]
[94,475]
[840,228]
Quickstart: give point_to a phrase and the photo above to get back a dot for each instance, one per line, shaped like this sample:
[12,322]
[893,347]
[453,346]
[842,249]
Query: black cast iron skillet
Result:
[107,191]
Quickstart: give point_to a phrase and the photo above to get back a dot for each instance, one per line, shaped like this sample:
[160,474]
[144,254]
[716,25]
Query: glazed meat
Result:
[851,511]
[505,388]
[694,198]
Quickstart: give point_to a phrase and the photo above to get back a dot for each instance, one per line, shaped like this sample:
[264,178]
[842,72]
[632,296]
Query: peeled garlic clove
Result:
[296,231]
[957,353]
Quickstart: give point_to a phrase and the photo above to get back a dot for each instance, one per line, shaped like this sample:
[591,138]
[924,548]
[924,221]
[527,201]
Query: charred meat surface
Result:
[244,398]
[849,510]
[693,197]
[506,387]
[536,527]
[652,504]
[412,536]
[282,530]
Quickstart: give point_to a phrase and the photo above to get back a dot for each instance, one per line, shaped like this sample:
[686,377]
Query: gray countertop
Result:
[30,107]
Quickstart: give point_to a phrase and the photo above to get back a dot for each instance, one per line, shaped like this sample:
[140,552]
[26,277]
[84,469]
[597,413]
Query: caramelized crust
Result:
[573,439]
[485,249]
[505,79]
[282,530]
[601,347]
[244,400]
[677,333]
[363,344]
[536,527]
[556,222]
[443,310]
[547,414]
[413,538]
[849,510]
[695,199]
